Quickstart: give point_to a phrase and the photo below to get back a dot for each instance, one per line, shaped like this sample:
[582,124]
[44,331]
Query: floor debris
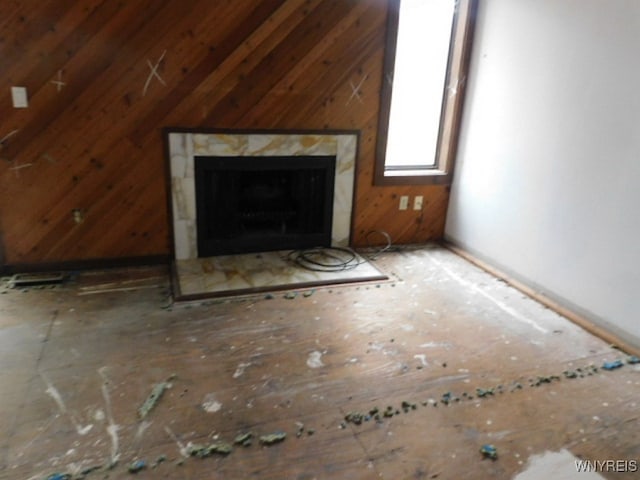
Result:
[481,392]
[203,451]
[612,365]
[447,398]
[290,295]
[489,451]
[137,466]
[543,379]
[153,398]
[243,439]
[89,470]
[59,476]
[326,407]
[354,417]
[272,438]
[406,406]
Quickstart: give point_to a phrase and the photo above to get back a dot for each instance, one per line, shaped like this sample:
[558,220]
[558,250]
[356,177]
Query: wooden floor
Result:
[78,361]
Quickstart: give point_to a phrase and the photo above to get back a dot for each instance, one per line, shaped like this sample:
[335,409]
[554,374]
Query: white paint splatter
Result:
[514,313]
[379,347]
[84,430]
[144,425]
[58,81]
[112,428]
[184,450]
[41,430]
[240,370]
[436,345]
[7,137]
[315,360]
[355,90]
[210,404]
[500,435]
[423,359]
[74,468]
[154,73]
[55,394]
[408,328]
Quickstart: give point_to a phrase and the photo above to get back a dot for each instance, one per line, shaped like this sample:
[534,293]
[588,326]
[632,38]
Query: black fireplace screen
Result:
[259,204]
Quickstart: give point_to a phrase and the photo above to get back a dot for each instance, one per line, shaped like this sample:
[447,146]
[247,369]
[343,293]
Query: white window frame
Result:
[439,171]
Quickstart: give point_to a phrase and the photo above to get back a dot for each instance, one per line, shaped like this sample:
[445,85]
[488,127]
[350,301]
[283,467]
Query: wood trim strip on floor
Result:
[580,320]
[231,294]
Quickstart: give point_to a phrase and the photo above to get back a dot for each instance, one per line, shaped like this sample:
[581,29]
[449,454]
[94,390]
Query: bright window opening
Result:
[422,51]
[426,60]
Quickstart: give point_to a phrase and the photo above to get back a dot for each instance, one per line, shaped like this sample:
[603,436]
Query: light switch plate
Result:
[19,96]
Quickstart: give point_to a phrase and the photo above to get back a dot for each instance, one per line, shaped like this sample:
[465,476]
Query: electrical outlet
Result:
[417,202]
[404,202]
[78,215]
[19,97]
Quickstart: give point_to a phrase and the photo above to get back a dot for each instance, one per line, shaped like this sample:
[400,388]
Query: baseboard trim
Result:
[581,320]
[89,264]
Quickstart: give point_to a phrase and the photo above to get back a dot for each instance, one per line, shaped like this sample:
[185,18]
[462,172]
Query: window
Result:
[425,68]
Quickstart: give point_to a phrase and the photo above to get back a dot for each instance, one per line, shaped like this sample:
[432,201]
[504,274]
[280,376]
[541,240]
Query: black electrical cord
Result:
[336,259]
[386,248]
[326,259]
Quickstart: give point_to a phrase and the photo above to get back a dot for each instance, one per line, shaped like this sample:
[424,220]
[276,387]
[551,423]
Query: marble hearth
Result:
[183,146]
[247,274]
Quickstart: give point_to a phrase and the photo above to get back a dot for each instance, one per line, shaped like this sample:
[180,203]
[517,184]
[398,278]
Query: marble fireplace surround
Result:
[184,144]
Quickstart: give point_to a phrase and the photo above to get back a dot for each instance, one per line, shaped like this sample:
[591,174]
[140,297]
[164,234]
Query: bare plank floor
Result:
[79,360]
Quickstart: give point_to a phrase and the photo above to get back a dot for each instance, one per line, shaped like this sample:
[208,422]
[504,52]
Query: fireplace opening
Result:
[260,204]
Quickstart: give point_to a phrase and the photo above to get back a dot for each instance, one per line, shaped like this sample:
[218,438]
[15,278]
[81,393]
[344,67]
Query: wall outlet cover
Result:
[19,97]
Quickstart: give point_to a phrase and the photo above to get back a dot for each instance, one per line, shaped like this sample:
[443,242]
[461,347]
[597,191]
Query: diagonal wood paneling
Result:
[91,137]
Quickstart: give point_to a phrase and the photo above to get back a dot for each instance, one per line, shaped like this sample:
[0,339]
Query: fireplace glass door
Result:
[259,204]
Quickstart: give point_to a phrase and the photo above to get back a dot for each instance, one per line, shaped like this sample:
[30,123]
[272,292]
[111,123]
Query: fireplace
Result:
[260,204]
[301,151]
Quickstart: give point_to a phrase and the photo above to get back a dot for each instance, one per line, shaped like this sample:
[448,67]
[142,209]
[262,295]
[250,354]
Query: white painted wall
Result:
[547,180]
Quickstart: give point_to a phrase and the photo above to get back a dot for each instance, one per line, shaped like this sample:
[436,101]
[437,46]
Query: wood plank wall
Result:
[104,76]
